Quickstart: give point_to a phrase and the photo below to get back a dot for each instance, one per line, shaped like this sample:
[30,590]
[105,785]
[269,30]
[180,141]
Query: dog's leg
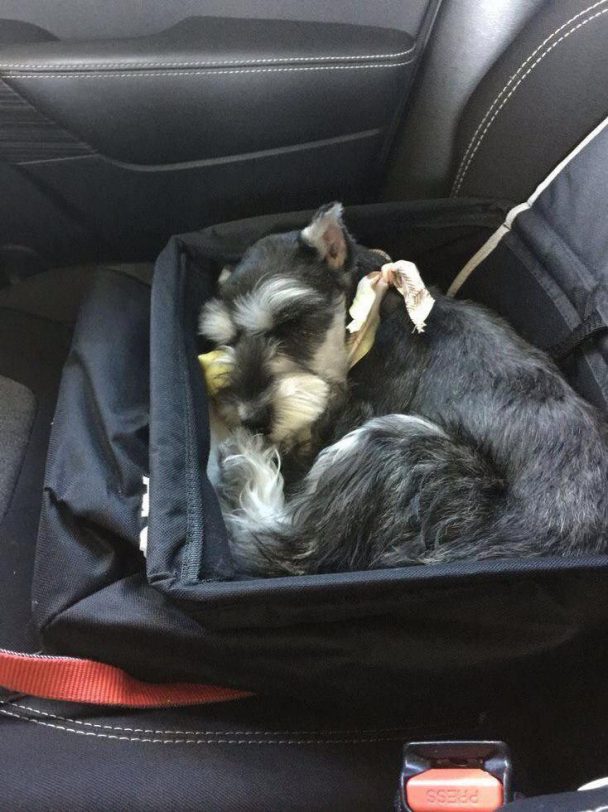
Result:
[250,490]
[250,475]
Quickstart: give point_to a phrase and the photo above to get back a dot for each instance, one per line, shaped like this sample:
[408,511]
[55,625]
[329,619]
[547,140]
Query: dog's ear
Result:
[224,276]
[327,235]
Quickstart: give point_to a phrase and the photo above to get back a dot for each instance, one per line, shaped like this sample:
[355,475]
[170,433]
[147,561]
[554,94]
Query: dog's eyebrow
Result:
[257,310]
[215,322]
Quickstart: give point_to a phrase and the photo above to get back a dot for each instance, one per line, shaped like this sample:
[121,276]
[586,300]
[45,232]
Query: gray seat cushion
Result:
[17,408]
[539,100]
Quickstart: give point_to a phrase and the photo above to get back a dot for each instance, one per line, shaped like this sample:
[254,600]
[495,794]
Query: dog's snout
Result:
[257,421]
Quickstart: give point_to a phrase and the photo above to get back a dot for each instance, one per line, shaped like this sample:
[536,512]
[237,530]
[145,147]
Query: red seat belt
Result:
[70,679]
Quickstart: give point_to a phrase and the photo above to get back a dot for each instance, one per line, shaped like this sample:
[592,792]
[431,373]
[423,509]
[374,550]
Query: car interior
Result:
[123,123]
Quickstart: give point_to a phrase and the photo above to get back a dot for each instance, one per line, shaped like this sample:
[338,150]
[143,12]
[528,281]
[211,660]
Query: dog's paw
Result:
[250,476]
[232,456]
[240,443]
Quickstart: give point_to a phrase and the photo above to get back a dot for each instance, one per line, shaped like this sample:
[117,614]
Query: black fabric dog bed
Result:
[133,407]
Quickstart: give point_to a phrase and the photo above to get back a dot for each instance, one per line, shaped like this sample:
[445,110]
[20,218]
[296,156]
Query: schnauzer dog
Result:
[462,442]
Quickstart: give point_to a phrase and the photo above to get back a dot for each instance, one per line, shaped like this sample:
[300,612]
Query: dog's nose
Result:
[257,422]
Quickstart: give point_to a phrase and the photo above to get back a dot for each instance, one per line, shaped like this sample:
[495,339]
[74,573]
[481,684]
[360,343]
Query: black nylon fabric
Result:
[136,765]
[386,637]
[89,526]
[515,283]
[179,432]
[549,274]
[264,754]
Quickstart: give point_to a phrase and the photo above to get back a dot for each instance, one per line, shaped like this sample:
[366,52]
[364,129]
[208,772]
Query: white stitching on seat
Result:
[476,142]
[514,76]
[195,741]
[511,79]
[205,732]
[288,60]
[178,72]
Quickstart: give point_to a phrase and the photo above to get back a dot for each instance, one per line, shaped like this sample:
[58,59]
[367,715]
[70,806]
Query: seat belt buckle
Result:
[458,776]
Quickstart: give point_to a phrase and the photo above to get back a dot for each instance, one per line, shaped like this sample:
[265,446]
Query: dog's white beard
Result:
[299,400]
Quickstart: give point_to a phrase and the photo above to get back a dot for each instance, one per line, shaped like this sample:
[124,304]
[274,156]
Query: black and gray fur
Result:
[461,442]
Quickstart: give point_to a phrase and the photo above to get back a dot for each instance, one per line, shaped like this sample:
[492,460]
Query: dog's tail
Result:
[397,491]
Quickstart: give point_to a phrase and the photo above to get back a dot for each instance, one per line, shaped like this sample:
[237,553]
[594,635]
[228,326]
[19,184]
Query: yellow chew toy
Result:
[216,366]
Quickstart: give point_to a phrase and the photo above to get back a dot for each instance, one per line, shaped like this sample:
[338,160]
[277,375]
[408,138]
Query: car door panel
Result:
[212,119]
[90,19]
[211,87]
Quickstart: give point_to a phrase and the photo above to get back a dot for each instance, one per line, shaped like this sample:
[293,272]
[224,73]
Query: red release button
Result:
[454,790]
